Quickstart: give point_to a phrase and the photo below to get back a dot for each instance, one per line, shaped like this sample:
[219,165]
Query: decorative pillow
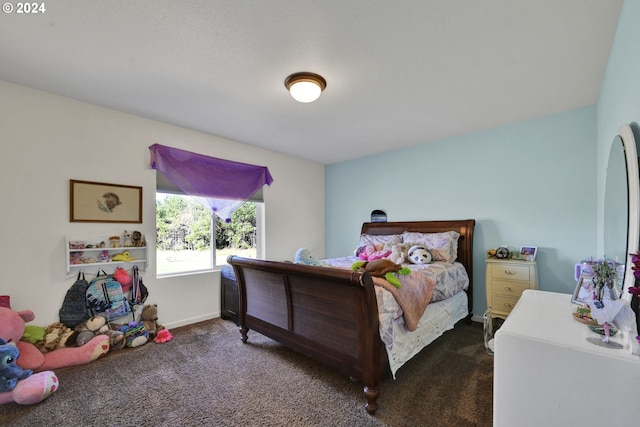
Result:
[379,241]
[443,246]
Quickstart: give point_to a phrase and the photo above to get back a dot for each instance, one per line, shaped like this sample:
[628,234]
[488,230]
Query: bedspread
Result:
[412,297]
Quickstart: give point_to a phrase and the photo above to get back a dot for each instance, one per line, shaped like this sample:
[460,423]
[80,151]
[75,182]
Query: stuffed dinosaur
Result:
[10,372]
[384,268]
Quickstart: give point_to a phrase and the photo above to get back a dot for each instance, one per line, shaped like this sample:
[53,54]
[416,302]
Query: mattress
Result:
[449,305]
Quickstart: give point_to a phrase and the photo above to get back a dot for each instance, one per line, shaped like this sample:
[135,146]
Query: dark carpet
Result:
[205,376]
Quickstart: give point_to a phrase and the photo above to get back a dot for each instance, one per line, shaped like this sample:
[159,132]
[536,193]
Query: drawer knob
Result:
[510,272]
[509,305]
[509,289]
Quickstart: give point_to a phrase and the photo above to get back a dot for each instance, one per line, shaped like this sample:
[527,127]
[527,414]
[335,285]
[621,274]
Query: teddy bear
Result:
[398,253]
[149,319]
[10,373]
[12,327]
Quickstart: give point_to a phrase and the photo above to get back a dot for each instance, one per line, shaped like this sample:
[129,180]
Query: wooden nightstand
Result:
[506,280]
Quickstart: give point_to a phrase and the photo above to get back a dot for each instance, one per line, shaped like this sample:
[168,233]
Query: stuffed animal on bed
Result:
[370,252]
[305,256]
[382,268]
[419,255]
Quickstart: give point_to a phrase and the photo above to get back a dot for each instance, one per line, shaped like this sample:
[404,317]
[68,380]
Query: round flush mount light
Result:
[305,87]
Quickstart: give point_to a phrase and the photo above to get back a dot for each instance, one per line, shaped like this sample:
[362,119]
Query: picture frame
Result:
[528,253]
[102,202]
[583,291]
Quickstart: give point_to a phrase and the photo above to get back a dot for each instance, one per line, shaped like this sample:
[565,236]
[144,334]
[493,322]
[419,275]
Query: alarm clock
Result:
[502,252]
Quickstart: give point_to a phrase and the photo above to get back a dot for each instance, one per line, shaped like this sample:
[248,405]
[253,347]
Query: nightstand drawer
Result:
[509,289]
[510,272]
[503,303]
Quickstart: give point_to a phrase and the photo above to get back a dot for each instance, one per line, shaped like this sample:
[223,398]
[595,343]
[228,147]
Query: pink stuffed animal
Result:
[12,324]
[31,390]
[163,336]
[369,252]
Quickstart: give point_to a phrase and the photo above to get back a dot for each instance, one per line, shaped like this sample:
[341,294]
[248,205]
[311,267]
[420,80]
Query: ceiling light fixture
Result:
[305,87]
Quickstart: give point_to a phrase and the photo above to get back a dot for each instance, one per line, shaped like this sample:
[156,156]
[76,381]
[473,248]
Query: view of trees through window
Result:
[184,234]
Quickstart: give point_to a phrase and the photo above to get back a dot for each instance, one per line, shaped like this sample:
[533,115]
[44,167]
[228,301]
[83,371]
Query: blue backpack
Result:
[105,297]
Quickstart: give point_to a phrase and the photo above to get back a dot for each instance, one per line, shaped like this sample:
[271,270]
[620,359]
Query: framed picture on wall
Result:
[102,202]
[528,253]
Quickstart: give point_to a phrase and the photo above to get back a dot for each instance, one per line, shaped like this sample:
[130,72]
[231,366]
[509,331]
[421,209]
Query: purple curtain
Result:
[223,185]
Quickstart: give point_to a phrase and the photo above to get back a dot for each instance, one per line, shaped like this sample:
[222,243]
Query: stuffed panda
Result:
[419,255]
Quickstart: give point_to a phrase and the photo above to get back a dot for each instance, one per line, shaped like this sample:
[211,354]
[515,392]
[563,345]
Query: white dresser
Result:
[547,374]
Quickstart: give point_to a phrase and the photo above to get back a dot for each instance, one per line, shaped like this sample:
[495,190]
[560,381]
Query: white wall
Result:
[48,139]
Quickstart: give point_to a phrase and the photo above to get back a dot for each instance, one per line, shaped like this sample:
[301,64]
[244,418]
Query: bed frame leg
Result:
[371,394]
[243,332]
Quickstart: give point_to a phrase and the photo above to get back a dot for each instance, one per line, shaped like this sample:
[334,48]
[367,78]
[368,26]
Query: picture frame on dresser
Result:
[102,202]
[583,291]
[528,253]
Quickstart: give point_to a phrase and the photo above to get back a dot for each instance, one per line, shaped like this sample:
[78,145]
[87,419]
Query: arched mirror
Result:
[622,204]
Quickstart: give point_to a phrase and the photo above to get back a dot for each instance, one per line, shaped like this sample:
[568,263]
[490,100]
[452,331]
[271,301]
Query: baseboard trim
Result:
[191,320]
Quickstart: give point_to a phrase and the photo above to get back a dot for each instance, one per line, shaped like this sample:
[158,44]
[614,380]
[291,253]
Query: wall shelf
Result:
[82,258]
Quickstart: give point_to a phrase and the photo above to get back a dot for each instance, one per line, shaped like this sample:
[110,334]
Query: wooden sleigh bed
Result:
[331,314]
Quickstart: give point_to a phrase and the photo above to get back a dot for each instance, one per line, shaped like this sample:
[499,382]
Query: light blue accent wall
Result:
[619,101]
[530,183]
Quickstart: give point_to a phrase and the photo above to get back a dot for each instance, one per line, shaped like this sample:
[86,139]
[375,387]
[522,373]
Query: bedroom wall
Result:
[525,184]
[619,101]
[48,139]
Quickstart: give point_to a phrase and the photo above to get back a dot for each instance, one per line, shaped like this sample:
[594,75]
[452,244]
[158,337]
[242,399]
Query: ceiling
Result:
[399,73]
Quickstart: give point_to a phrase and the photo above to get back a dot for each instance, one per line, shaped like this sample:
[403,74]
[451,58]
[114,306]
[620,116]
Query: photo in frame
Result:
[528,253]
[102,202]
[583,292]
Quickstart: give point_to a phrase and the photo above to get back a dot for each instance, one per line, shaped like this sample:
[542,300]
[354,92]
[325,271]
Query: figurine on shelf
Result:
[123,256]
[74,257]
[104,256]
[114,241]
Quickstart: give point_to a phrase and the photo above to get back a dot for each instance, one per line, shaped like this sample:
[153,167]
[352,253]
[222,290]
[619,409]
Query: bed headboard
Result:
[465,243]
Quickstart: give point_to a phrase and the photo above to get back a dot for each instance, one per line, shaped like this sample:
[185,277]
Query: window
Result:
[186,229]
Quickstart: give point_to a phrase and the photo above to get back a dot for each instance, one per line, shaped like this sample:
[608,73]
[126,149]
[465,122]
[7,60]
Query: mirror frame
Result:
[633,187]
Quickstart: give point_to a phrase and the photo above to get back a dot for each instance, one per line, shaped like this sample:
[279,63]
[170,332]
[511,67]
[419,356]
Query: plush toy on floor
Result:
[149,319]
[12,327]
[135,334]
[10,373]
[21,385]
[163,336]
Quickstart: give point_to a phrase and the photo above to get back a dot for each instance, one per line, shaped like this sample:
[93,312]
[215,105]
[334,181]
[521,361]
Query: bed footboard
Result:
[327,314]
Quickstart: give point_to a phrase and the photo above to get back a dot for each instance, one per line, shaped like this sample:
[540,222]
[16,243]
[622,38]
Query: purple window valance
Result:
[225,184]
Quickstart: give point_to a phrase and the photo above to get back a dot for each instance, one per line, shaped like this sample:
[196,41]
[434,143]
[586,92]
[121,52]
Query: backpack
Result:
[74,307]
[105,297]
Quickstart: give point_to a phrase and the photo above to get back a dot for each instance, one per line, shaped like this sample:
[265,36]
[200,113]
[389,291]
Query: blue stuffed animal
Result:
[305,256]
[10,373]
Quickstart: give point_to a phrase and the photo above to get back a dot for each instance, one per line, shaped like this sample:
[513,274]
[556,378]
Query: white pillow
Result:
[443,246]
